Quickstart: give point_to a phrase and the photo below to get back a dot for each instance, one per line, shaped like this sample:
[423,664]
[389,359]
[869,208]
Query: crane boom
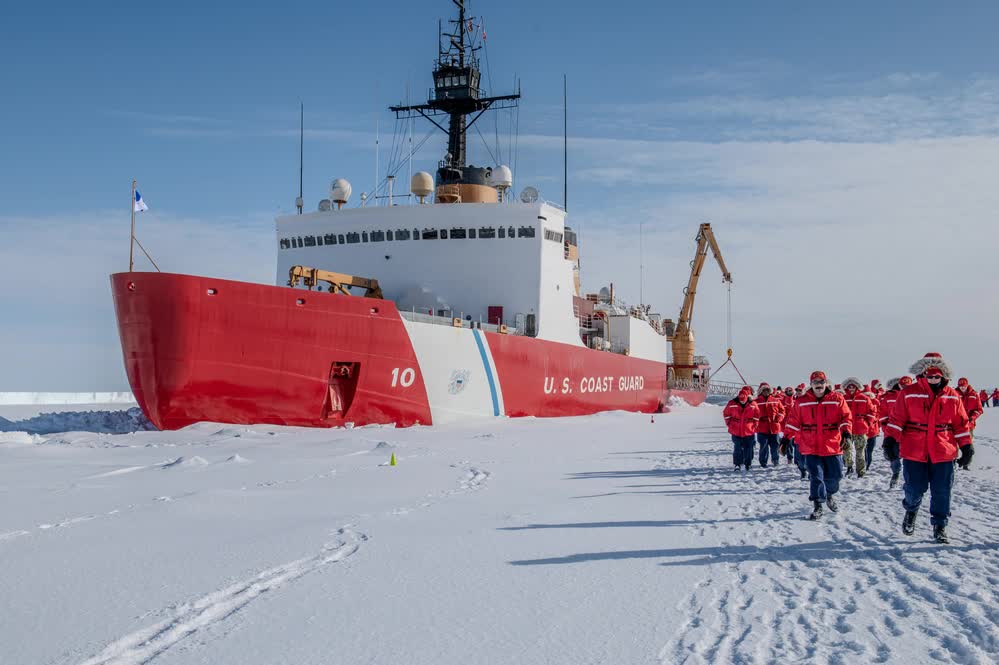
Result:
[683,337]
[338,282]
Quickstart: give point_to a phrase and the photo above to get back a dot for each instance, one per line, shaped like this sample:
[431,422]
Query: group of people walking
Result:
[926,423]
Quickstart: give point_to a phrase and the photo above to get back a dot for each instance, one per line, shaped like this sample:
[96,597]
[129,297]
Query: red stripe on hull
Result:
[250,353]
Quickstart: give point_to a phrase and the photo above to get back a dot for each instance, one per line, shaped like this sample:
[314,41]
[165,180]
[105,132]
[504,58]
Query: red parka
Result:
[972,405]
[864,413]
[742,419]
[771,414]
[995,394]
[816,423]
[929,426]
[876,426]
[984,396]
[885,405]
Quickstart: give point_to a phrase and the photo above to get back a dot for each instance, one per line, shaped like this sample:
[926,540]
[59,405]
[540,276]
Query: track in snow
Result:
[848,589]
[189,618]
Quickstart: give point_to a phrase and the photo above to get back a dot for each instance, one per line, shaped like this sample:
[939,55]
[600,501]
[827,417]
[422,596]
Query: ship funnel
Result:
[422,185]
[339,192]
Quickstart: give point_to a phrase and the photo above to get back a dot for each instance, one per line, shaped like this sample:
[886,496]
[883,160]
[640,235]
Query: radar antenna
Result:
[456,93]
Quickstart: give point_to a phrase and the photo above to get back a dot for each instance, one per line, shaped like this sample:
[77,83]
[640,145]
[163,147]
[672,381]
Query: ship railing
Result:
[453,322]
[724,388]
[697,385]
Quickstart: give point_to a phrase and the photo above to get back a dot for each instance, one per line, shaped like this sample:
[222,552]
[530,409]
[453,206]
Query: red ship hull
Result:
[204,349]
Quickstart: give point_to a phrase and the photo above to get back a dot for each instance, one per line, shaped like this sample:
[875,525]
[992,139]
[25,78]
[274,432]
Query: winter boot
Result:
[831,502]
[940,534]
[909,522]
[860,474]
[804,474]
[816,510]
[849,470]
[894,481]
[738,467]
[747,466]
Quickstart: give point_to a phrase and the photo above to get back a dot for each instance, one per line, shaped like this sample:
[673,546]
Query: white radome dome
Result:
[339,190]
[501,176]
[421,184]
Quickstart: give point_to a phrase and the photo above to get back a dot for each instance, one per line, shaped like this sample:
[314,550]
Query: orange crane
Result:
[682,338]
[338,282]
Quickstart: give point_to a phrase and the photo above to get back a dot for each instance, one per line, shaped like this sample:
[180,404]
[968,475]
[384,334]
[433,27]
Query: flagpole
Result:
[131,237]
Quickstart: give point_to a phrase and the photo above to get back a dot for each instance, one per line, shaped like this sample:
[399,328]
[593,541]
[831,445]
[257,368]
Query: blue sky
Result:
[776,120]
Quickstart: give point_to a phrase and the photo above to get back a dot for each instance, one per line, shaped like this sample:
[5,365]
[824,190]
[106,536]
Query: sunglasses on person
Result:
[818,383]
[933,378]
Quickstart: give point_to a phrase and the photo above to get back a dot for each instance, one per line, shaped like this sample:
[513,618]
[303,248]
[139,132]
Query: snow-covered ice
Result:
[605,539]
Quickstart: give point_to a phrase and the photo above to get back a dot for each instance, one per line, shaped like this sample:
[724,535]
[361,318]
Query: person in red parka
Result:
[875,430]
[771,417]
[972,404]
[927,427]
[995,397]
[885,404]
[984,397]
[863,412]
[743,418]
[784,447]
[817,422]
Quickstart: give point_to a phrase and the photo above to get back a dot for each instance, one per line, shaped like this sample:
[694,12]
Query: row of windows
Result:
[554,236]
[484,232]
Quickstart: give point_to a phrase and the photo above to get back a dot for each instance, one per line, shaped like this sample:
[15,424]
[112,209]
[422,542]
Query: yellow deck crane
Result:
[338,282]
[682,338]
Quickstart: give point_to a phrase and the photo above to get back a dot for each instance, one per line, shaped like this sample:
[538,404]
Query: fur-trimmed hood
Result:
[852,381]
[930,360]
[892,383]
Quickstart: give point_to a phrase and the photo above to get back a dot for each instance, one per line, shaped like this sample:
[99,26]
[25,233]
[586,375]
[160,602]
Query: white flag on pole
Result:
[139,205]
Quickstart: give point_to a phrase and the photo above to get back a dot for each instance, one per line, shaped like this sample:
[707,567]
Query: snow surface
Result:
[605,539]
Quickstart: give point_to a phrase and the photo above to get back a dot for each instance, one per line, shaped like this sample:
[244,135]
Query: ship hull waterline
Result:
[204,349]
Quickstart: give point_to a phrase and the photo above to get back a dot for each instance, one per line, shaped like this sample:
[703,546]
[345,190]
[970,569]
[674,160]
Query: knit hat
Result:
[817,375]
[905,380]
[931,360]
[962,381]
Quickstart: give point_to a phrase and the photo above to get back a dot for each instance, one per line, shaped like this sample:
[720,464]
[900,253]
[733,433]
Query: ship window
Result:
[487,232]
[378,236]
[353,237]
[299,241]
[510,231]
[389,236]
[443,234]
[339,238]
[329,239]
[285,243]
[416,234]
[310,241]
[402,234]
[502,232]
[364,236]
[525,232]
[462,80]
[471,233]
[319,240]
[430,234]
[458,234]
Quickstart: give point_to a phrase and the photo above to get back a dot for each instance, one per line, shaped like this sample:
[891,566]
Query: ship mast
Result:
[456,94]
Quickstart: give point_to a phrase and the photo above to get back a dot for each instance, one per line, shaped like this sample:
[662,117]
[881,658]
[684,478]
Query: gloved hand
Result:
[967,452]
[890,449]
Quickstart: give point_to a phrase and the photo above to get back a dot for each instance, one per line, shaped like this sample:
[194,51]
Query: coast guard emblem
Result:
[459,378]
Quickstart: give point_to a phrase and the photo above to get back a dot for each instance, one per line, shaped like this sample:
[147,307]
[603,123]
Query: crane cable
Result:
[728,323]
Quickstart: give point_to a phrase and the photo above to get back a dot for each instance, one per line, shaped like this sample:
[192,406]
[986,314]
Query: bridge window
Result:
[285,243]
[416,234]
[525,232]
[353,237]
[487,232]
[402,234]
[298,241]
[511,232]
[364,236]
[329,239]
[430,234]
[471,233]
[502,232]
[458,234]
[377,236]
[319,240]
[443,234]
[339,238]
[389,236]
